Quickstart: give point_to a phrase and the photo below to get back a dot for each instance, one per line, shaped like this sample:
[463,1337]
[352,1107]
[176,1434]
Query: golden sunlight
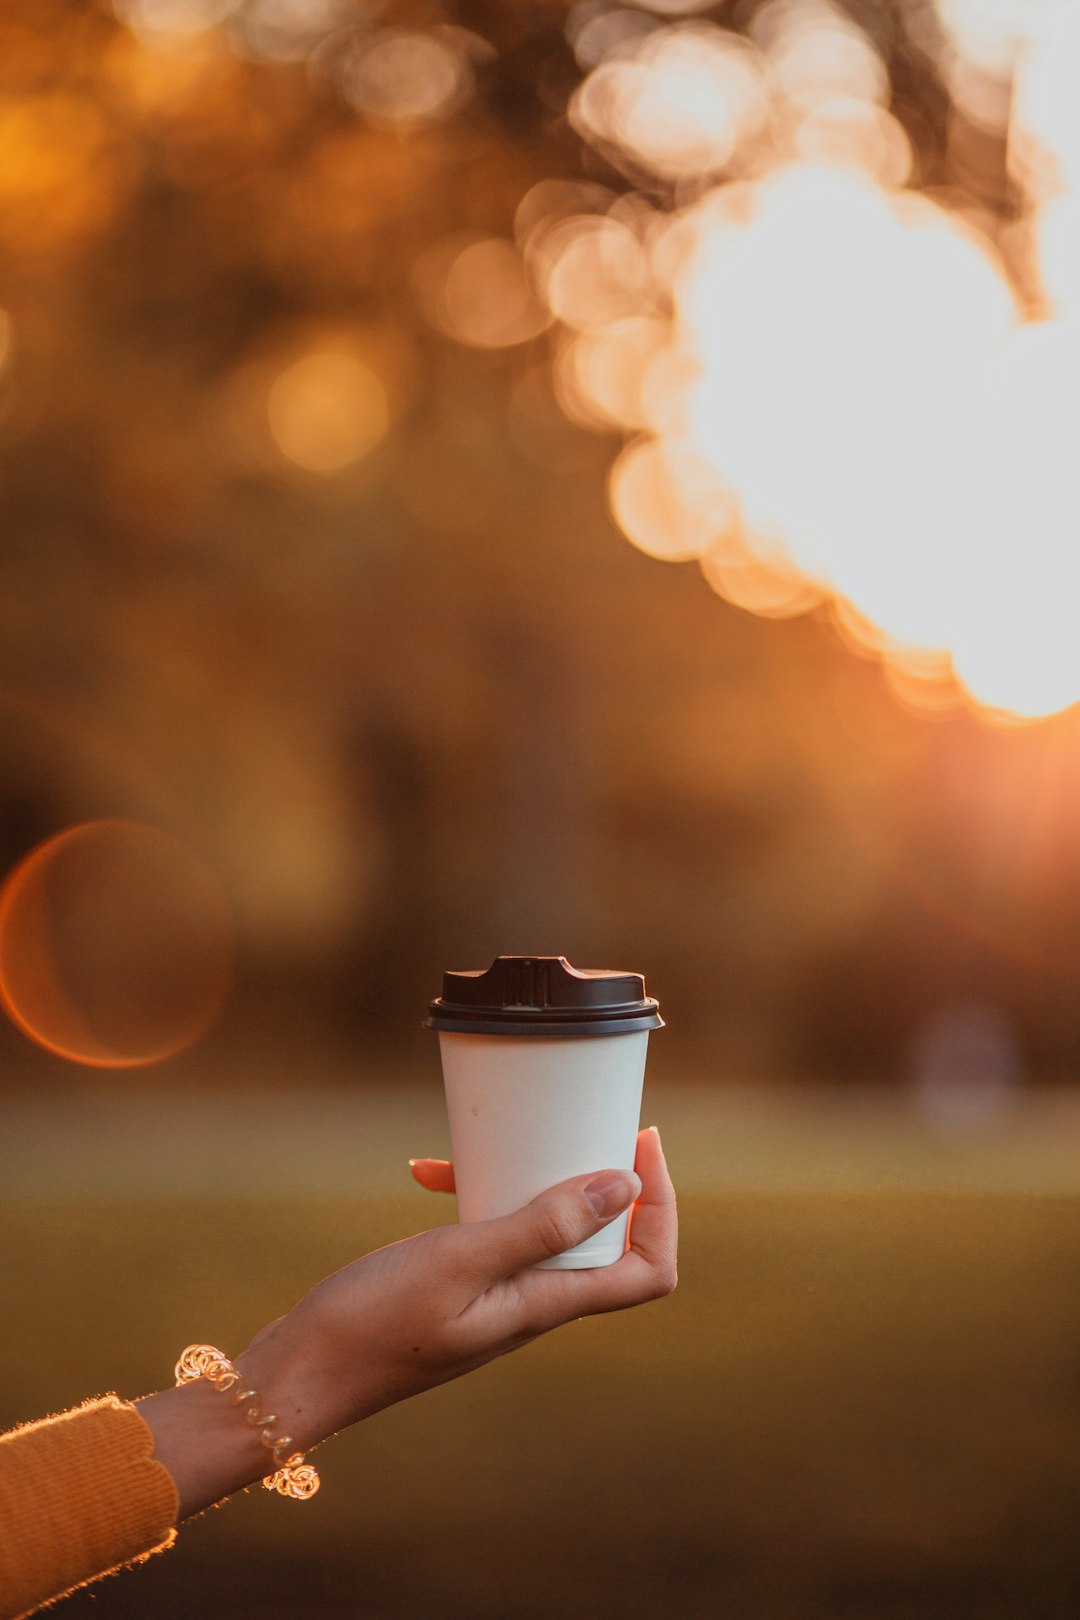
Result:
[846,390]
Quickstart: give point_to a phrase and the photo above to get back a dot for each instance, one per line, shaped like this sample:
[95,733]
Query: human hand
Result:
[419,1313]
[429,1308]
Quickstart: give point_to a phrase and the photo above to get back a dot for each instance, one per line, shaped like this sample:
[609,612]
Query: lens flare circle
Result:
[116,945]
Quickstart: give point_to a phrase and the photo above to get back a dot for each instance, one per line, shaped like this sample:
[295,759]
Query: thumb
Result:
[553,1222]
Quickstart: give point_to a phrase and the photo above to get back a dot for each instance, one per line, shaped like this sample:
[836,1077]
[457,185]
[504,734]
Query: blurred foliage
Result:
[407,692]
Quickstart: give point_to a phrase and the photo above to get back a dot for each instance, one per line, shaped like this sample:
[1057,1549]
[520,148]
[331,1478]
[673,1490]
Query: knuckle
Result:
[555,1230]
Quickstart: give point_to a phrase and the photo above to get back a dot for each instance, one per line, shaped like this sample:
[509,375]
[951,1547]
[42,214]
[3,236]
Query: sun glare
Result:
[833,388]
[842,383]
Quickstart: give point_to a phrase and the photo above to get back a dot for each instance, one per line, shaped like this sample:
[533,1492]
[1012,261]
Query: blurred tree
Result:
[335,599]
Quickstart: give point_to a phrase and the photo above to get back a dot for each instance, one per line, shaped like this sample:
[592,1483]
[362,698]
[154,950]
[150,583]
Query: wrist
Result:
[285,1367]
[203,1443]
[212,1447]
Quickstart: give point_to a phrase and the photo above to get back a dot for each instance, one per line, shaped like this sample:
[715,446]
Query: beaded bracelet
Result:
[293,1476]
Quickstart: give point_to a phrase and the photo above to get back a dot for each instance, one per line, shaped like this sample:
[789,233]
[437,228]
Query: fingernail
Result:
[612,1192]
[412,1162]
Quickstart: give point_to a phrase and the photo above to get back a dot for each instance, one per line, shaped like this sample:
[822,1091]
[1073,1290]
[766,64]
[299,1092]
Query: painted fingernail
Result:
[612,1192]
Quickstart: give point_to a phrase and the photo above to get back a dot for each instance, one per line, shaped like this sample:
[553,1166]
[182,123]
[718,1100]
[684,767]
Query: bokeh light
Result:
[60,177]
[668,501]
[818,324]
[677,8]
[159,21]
[769,585]
[480,294]
[289,30]
[992,33]
[115,945]
[405,78]
[327,410]
[815,54]
[595,32]
[966,1067]
[551,201]
[855,358]
[846,132]
[675,102]
[593,271]
[878,394]
[612,372]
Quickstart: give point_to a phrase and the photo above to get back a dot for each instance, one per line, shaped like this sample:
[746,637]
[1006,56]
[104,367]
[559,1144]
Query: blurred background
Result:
[597,479]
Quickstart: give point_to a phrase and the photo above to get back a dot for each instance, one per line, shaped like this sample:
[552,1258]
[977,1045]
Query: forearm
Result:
[90,1490]
[204,1443]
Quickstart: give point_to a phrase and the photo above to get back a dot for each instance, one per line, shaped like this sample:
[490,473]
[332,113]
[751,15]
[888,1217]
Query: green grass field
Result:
[856,1405]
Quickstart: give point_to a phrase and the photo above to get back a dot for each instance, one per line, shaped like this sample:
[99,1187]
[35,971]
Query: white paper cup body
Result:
[526,1112]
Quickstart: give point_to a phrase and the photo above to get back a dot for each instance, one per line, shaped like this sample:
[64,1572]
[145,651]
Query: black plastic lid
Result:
[543,995]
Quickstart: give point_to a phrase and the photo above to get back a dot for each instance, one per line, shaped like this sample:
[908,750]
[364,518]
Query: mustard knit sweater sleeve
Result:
[80,1494]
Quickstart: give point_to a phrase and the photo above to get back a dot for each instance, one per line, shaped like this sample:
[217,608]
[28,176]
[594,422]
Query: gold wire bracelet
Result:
[293,1476]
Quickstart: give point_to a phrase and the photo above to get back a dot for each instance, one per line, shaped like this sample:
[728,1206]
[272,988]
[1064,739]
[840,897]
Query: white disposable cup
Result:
[526,1112]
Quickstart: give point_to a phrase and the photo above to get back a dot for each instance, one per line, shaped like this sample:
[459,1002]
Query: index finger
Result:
[437,1175]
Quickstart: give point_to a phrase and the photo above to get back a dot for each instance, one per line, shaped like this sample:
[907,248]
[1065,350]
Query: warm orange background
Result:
[305,568]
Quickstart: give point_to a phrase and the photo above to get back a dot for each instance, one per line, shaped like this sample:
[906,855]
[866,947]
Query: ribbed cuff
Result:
[80,1494]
